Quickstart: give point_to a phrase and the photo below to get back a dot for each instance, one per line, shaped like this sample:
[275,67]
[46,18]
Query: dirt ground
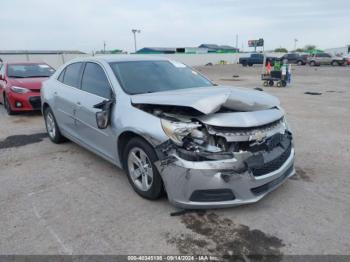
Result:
[62,199]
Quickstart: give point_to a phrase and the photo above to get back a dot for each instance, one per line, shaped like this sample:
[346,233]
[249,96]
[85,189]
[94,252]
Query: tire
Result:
[146,182]
[283,83]
[335,63]
[266,83]
[299,63]
[279,84]
[244,63]
[250,64]
[7,106]
[52,128]
[312,63]
[271,83]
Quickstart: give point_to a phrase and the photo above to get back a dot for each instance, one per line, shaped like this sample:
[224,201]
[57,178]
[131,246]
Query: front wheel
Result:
[7,106]
[299,63]
[138,160]
[52,128]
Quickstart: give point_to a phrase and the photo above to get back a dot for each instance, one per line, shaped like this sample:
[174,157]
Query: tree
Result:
[281,50]
[300,50]
[309,47]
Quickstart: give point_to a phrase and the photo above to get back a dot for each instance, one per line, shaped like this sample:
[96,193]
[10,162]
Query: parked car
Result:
[347,59]
[20,85]
[171,129]
[325,59]
[254,59]
[295,58]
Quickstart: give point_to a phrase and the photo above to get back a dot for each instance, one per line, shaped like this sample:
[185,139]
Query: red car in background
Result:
[20,85]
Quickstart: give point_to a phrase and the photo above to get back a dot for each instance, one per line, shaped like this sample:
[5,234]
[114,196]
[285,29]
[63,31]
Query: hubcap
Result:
[50,125]
[140,169]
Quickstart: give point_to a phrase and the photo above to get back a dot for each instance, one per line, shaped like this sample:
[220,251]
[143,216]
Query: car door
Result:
[322,58]
[66,95]
[292,58]
[327,59]
[95,88]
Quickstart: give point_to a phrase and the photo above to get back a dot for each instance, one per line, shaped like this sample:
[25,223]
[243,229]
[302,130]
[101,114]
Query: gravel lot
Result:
[62,199]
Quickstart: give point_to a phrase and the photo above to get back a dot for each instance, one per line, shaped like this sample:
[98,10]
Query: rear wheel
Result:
[52,128]
[7,106]
[335,63]
[271,83]
[138,160]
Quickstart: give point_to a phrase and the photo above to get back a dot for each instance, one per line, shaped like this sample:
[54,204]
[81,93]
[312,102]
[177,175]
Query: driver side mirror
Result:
[103,118]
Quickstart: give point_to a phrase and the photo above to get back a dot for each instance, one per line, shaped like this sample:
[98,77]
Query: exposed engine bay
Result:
[193,139]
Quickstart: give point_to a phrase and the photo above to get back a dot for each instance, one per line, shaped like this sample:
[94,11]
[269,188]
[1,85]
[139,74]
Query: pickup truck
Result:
[256,59]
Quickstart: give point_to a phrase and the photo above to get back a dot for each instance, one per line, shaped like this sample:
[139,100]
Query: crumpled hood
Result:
[209,100]
[33,83]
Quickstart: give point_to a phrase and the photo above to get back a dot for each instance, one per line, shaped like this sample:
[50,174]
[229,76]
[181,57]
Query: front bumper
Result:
[25,102]
[187,181]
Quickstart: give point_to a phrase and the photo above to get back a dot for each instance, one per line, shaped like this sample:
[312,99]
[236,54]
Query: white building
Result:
[339,51]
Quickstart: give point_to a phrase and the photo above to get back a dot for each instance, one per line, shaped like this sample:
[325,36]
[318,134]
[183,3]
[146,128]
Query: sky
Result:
[85,24]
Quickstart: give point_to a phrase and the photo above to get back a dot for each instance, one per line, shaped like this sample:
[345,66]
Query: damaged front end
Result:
[224,158]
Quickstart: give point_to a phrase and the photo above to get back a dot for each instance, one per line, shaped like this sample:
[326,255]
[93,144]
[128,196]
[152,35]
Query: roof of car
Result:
[24,63]
[121,58]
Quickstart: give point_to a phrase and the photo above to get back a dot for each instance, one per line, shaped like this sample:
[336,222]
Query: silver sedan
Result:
[171,129]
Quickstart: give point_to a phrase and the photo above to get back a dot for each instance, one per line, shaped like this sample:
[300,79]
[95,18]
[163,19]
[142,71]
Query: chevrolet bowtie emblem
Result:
[259,136]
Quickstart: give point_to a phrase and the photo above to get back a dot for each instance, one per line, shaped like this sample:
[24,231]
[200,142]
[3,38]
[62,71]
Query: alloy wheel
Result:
[50,125]
[140,169]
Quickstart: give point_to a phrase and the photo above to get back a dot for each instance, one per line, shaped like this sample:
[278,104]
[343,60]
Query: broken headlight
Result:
[177,131]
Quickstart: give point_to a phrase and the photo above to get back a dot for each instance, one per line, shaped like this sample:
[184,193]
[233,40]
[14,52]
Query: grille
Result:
[264,188]
[35,102]
[272,165]
[212,195]
[248,130]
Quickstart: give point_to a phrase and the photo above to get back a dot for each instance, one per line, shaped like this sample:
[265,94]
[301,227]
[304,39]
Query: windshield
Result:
[138,77]
[29,70]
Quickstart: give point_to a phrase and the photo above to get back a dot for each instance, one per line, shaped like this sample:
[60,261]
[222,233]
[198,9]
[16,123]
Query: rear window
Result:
[29,70]
[72,75]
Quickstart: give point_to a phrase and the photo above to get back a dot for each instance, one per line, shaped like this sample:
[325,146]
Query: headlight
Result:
[176,131]
[286,125]
[20,90]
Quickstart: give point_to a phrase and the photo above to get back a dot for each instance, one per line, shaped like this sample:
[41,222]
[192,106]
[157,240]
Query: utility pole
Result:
[295,44]
[104,47]
[134,31]
[237,41]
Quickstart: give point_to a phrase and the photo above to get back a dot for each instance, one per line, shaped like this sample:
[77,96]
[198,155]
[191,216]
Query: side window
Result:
[60,78]
[72,75]
[2,70]
[95,81]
